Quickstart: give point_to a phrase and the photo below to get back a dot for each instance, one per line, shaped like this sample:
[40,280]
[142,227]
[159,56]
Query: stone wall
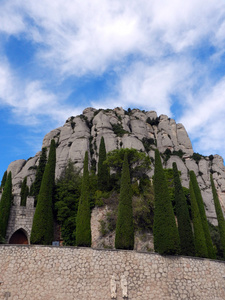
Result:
[47,273]
[21,217]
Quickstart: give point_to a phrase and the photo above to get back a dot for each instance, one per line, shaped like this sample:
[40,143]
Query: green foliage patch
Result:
[35,187]
[199,200]
[5,205]
[148,142]
[83,223]
[118,129]
[153,121]
[197,157]
[42,228]
[24,192]
[220,217]
[68,191]
[166,237]
[103,170]
[3,180]
[183,217]
[139,163]
[124,226]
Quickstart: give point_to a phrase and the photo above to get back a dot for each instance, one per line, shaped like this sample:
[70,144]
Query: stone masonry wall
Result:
[50,273]
[20,217]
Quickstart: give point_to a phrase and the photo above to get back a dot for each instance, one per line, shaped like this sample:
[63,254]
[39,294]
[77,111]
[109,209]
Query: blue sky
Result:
[59,57]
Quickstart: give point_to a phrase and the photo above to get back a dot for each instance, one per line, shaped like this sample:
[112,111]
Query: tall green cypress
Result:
[199,235]
[83,221]
[24,192]
[5,205]
[166,237]
[103,172]
[124,226]
[42,229]
[3,180]
[68,191]
[198,196]
[183,218]
[35,187]
[220,217]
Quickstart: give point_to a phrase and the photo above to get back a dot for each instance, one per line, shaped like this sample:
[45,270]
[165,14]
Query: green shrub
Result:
[103,228]
[118,130]
[139,162]
[111,218]
[211,157]
[197,157]
[215,235]
[147,143]
[97,111]
[99,195]
[153,121]
[168,153]
[143,213]
[72,124]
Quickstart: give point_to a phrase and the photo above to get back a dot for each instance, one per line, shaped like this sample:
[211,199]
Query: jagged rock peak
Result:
[132,128]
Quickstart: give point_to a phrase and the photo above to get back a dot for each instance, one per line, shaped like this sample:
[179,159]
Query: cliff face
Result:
[141,130]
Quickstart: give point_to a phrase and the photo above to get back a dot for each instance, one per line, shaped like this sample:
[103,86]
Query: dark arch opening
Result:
[19,237]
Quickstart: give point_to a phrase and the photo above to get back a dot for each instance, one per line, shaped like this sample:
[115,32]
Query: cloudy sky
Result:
[59,57]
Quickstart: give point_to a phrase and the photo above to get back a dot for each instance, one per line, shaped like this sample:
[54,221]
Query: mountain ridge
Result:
[142,130]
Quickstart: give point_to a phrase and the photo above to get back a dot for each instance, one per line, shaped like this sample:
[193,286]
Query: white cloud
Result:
[150,46]
[89,36]
[204,120]
[150,87]
[11,18]
[30,101]
[7,93]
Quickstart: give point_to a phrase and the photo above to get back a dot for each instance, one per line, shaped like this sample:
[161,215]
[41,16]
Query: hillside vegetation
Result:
[123,164]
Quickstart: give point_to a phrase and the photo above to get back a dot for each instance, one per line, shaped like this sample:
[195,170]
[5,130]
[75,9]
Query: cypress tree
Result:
[5,205]
[124,226]
[42,229]
[35,188]
[103,172]
[183,218]
[199,235]
[166,237]
[68,191]
[83,221]
[4,179]
[198,196]
[24,192]
[220,217]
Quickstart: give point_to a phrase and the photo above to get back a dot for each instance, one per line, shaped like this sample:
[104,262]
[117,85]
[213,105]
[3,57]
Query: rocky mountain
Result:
[142,130]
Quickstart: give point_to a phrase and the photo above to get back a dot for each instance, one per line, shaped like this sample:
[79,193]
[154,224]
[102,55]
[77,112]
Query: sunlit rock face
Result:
[137,129]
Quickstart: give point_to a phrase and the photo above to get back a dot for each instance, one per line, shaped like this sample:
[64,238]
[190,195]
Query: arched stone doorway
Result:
[19,237]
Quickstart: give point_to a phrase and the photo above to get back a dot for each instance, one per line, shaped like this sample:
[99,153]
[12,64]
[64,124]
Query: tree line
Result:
[179,227]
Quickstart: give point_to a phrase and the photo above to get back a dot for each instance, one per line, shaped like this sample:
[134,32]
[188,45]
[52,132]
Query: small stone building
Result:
[20,221]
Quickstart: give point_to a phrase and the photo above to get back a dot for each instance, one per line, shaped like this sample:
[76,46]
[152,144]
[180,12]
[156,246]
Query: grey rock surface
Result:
[137,129]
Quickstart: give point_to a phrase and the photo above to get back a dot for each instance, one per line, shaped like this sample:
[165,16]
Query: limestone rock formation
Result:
[138,129]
